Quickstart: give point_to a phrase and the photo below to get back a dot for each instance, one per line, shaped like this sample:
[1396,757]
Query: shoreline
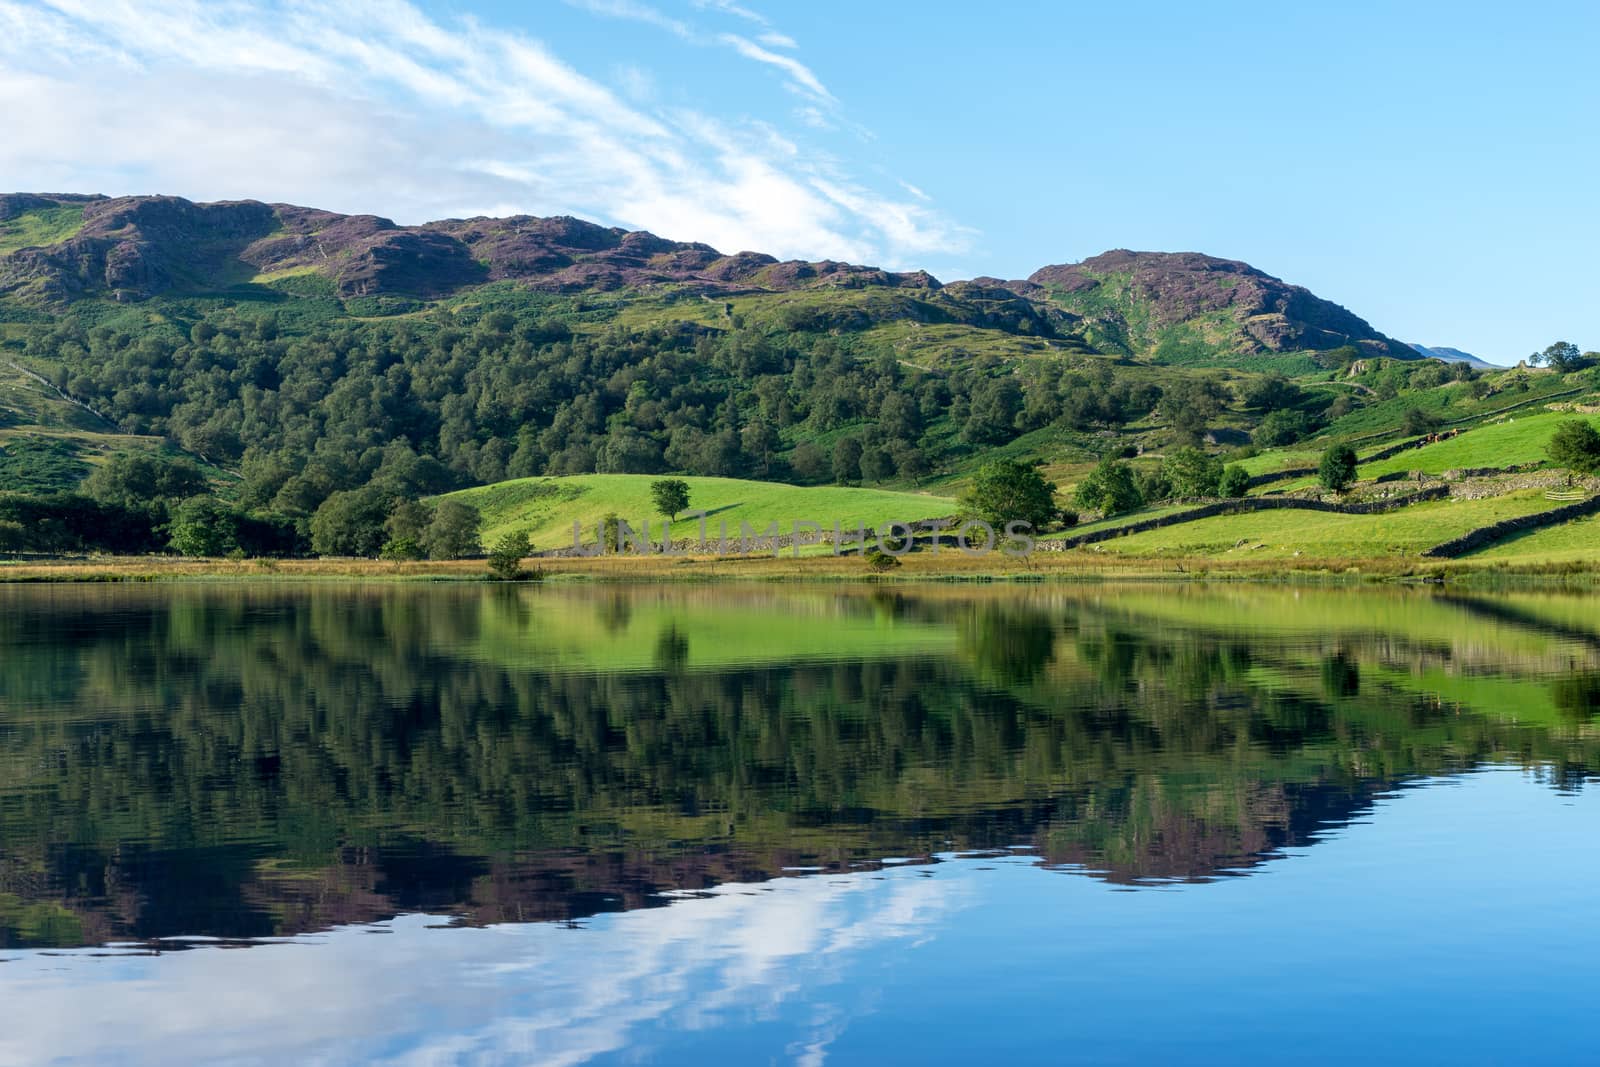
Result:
[1046,567]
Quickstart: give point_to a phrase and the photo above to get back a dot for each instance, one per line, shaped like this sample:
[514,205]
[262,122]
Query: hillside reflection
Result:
[249,761]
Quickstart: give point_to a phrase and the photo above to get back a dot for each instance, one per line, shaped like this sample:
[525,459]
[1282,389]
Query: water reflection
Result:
[1395,934]
[255,761]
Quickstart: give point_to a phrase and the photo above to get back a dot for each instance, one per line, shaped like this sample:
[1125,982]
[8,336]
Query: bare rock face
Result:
[1153,291]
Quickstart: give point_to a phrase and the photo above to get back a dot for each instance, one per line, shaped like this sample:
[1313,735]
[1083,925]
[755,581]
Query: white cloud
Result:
[370,105]
[535,993]
[800,74]
[800,77]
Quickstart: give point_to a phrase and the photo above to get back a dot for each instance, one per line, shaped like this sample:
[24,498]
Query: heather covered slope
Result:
[1187,308]
[1184,307]
[58,247]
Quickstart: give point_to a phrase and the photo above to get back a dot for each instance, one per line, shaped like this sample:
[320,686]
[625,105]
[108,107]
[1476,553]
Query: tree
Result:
[1235,482]
[810,463]
[671,495]
[1193,473]
[877,465]
[910,462]
[203,526]
[847,461]
[140,479]
[1285,427]
[1190,404]
[1110,488]
[1273,392]
[1563,356]
[405,527]
[505,560]
[351,523]
[994,407]
[1338,468]
[1007,491]
[1576,446]
[453,533]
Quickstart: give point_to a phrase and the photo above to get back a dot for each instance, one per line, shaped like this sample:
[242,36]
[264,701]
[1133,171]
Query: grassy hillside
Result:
[1569,542]
[1274,534]
[547,507]
[46,226]
[1517,440]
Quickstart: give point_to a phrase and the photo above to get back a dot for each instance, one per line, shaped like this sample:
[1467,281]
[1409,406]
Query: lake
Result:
[431,824]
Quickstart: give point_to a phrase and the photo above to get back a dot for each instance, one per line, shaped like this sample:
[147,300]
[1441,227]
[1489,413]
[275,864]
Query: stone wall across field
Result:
[1487,535]
[1245,504]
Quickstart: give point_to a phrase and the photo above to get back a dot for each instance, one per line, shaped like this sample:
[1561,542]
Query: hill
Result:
[59,247]
[546,508]
[1184,307]
[308,362]
[56,249]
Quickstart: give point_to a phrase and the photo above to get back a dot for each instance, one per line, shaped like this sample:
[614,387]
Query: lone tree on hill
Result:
[1575,446]
[1007,491]
[1338,468]
[671,495]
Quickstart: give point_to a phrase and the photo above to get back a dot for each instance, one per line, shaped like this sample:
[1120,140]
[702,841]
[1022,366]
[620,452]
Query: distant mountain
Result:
[1184,307]
[141,246]
[1454,355]
[1177,308]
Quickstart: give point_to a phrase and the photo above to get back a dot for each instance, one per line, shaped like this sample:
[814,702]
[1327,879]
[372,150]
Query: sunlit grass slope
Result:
[1571,541]
[1272,534]
[1515,441]
[547,507]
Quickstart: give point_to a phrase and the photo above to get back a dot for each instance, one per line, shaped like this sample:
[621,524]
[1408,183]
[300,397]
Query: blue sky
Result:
[1428,165]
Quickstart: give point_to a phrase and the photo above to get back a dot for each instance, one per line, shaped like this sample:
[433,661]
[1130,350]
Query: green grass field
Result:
[1276,534]
[1571,541]
[1519,439]
[547,507]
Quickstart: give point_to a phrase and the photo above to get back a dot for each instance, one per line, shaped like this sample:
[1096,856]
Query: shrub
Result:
[879,561]
[505,560]
[1235,482]
[1576,446]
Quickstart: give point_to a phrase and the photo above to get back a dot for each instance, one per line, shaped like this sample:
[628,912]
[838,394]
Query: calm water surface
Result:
[324,824]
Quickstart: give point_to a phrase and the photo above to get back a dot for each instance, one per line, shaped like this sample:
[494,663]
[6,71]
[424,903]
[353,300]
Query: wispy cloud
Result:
[371,105]
[800,74]
[801,78]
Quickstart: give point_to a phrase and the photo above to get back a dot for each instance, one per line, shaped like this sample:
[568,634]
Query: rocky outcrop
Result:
[1244,310]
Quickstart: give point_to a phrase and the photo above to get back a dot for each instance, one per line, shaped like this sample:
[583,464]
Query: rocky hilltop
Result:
[1184,307]
[133,248]
[1148,301]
